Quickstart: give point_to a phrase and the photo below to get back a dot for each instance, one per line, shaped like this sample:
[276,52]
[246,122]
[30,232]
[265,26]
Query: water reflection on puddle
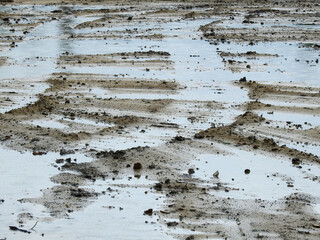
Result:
[269,178]
[117,214]
[306,121]
[22,176]
[124,205]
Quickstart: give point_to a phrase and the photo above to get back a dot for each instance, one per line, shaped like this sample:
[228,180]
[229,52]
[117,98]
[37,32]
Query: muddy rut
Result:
[186,120]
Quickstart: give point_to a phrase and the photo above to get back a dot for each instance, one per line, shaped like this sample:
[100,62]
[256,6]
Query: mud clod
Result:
[296,161]
[66,152]
[137,166]
[158,187]
[148,212]
[172,224]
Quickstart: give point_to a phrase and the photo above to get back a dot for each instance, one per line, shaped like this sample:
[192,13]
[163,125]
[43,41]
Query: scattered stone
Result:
[148,212]
[6,138]
[137,166]
[118,154]
[315,225]
[243,79]
[112,164]
[316,46]
[179,138]
[66,152]
[296,161]
[172,224]
[164,212]
[39,153]
[34,140]
[216,174]
[59,161]
[199,136]
[137,176]
[158,187]
[152,166]
[191,237]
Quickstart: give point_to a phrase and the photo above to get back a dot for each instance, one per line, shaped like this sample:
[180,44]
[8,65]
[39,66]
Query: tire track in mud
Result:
[70,195]
[192,204]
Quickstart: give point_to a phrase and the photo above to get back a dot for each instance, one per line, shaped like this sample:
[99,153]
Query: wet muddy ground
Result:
[165,120]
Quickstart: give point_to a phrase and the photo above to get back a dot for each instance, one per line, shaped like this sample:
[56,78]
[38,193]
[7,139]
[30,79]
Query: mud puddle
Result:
[122,202]
[116,101]
[273,178]
[25,175]
[291,120]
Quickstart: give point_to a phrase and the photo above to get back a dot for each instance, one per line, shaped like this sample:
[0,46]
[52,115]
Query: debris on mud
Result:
[64,199]
[13,228]
[134,109]
[66,152]
[149,212]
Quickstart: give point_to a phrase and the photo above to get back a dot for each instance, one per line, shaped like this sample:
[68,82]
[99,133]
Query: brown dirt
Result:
[194,202]
[260,90]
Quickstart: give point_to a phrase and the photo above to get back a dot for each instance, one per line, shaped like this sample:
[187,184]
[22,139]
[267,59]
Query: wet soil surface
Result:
[180,120]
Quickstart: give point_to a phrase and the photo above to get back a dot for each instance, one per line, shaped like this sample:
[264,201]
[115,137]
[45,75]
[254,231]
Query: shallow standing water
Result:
[202,74]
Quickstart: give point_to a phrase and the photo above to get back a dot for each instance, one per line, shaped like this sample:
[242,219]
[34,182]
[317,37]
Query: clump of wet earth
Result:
[192,102]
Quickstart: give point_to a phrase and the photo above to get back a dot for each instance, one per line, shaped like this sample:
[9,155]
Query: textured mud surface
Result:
[181,120]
